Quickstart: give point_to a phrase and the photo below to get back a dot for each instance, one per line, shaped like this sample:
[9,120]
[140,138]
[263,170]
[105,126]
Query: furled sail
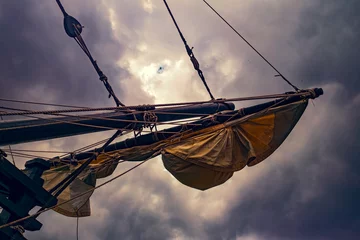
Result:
[200,159]
[210,158]
[80,206]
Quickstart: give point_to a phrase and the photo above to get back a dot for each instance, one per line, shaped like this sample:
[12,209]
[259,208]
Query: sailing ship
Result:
[210,142]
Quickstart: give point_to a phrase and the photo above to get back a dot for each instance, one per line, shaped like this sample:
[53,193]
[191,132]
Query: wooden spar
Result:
[16,132]
[151,138]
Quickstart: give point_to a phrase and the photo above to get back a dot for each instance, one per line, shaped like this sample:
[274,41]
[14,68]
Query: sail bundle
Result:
[200,159]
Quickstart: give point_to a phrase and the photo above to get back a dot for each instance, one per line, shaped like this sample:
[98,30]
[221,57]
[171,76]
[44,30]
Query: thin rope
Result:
[85,148]
[38,151]
[55,121]
[26,157]
[12,156]
[18,154]
[39,103]
[80,195]
[304,94]
[80,41]
[175,122]
[11,153]
[260,112]
[80,150]
[77,227]
[279,74]
[190,53]
[60,187]
[272,96]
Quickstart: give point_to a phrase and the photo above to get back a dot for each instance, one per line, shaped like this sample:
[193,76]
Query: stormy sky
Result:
[308,189]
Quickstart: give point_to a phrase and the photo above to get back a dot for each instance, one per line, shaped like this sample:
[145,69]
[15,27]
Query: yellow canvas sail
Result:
[210,158]
[202,159]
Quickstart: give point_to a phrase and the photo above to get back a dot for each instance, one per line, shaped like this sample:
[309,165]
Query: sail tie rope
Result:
[151,120]
[190,53]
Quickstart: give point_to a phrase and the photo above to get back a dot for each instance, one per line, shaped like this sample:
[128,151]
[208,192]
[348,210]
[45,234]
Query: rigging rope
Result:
[304,93]
[38,151]
[55,121]
[25,155]
[60,187]
[74,122]
[175,122]
[38,103]
[279,74]
[190,53]
[73,29]
[77,227]
[85,148]
[11,152]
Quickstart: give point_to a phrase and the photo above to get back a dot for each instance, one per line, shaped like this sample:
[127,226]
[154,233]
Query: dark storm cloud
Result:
[274,207]
[317,46]
[330,168]
[327,40]
[266,26]
[129,216]
[130,220]
[40,62]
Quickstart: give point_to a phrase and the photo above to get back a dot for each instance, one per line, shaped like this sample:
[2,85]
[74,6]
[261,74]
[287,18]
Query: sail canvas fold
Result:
[201,159]
[79,206]
[210,158]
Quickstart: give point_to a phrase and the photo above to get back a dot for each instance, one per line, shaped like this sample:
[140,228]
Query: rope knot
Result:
[313,94]
[103,78]
[150,118]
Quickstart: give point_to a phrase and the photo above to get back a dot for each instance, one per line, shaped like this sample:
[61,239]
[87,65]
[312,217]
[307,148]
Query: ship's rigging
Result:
[209,139]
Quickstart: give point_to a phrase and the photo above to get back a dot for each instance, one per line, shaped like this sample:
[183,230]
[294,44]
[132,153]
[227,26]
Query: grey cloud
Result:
[39,62]
[129,216]
[327,170]
[327,41]
[313,196]
[37,54]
